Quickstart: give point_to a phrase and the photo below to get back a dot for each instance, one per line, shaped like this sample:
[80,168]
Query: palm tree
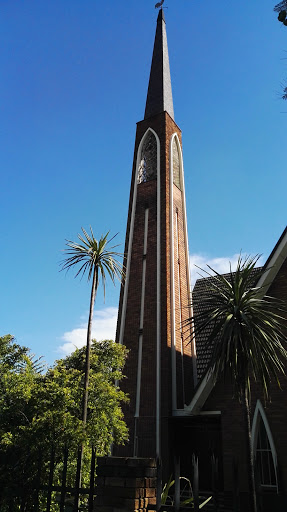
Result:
[98,261]
[246,332]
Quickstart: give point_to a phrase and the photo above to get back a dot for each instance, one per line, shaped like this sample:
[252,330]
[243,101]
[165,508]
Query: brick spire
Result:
[159,96]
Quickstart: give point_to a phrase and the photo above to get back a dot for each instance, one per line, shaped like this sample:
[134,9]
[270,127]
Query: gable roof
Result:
[206,384]
[203,350]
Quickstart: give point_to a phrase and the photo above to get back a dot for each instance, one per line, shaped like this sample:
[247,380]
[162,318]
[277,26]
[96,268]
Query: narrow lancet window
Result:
[264,459]
[176,163]
[148,159]
[263,450]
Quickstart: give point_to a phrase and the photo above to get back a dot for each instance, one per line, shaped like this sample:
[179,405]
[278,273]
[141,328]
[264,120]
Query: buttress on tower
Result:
[155,297]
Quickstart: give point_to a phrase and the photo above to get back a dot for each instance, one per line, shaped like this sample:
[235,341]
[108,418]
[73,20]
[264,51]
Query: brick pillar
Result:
[125,485]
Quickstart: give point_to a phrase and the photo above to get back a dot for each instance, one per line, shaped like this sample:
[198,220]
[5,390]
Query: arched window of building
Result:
[148,159]
[176,163]
[264,452]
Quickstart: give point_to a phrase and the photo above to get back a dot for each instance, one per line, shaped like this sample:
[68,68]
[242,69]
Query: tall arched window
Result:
[148,159]
[264,452]
[176,163]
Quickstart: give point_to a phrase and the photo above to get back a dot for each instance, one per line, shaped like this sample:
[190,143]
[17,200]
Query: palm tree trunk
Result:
[250,461]
[88,346]
[86,383]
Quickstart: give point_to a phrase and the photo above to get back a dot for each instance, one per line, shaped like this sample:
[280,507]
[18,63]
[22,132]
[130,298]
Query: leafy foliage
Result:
[39,410]
[166,498]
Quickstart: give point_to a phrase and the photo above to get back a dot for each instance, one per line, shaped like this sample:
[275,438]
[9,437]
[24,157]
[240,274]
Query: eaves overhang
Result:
[274,263]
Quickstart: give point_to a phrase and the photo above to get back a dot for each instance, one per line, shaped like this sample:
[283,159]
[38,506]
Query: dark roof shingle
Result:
[199,294]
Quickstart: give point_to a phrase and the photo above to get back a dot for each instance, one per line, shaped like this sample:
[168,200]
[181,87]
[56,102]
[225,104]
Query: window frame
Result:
[260,415]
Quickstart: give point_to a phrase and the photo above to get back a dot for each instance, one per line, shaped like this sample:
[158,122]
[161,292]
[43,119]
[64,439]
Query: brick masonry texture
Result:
[164,127]
[125,485]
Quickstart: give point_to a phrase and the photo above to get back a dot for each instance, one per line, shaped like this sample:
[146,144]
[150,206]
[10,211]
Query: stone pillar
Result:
[126,485]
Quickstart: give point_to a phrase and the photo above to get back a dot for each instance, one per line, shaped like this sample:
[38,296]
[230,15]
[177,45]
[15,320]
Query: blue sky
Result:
[74,78]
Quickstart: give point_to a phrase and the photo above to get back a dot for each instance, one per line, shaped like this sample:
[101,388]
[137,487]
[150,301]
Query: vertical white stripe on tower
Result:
[179,302]
[137,409]
[140,341]
[158,288]
[172,269]
[158,312]
[172,284]
[131,232]
[190,309]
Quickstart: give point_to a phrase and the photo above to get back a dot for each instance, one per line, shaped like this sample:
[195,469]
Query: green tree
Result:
[20,375]
[41,409]
[62,398]
[246,330]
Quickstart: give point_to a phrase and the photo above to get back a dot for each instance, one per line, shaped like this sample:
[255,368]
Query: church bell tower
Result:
[155,297]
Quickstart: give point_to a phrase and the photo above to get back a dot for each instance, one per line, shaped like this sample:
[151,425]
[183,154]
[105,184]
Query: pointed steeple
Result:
[159,96]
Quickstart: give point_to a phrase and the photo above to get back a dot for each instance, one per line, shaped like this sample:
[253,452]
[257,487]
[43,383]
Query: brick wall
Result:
[125,485]
[164,127]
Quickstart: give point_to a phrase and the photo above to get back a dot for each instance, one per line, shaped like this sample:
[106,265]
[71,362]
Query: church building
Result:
[175,408]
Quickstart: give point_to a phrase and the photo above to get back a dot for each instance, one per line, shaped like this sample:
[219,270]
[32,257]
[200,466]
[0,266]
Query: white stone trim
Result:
[199,398]
[126,285]
[140,341]
[274,265]
[172,285]
[193,344]
[158,308]
[131,232]
[179,301]
[182,412]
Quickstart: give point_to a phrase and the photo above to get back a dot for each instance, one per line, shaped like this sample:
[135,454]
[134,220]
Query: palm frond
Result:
[91,253]
[245,329]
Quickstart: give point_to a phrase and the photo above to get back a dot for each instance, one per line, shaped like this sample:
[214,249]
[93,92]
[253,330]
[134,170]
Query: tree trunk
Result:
[250,459]
[86,382]
[88,346]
